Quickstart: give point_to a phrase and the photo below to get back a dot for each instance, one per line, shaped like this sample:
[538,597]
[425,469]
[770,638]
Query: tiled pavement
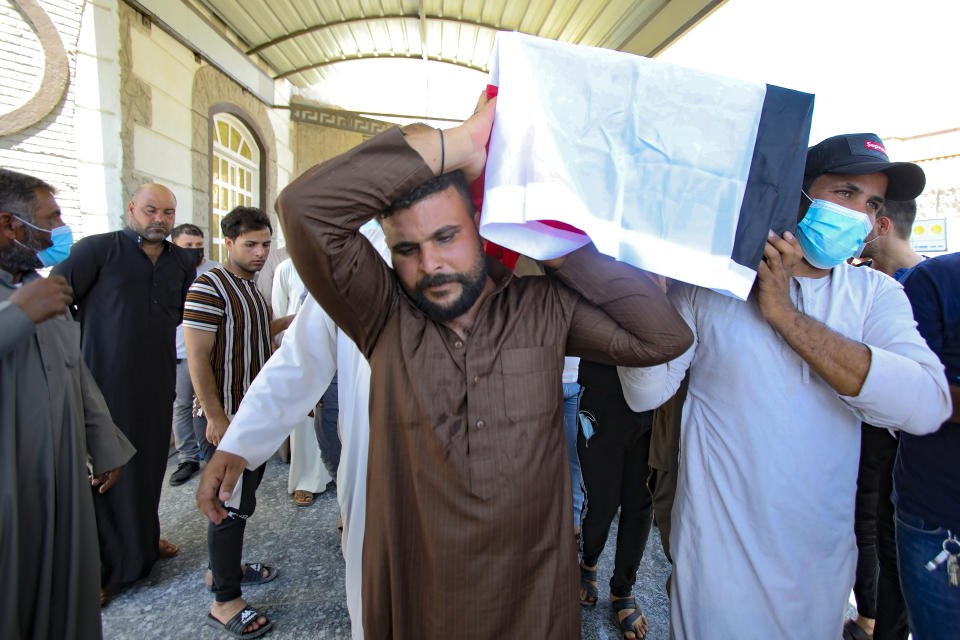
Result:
[307,598]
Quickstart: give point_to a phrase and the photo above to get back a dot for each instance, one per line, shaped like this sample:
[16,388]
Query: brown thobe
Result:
[468,492]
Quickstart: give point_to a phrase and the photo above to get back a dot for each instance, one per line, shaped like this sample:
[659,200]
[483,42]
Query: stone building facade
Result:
[138,104]
[97,99]
[31,40]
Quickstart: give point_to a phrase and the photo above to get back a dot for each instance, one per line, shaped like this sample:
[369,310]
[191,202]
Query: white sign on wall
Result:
[929,235]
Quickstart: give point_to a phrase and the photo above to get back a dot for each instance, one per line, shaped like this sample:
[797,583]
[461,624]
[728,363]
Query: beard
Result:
[17,259]
[472,283]
[149,233]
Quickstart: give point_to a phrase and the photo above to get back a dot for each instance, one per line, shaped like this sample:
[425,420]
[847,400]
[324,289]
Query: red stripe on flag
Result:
[507,256]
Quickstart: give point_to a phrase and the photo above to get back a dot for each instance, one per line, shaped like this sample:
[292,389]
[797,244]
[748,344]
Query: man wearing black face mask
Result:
[190,237]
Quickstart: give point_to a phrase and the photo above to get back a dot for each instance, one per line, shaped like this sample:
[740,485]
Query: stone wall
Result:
[44,149]
[324,132]
[212,88]
[314,144]
[156,94]
[168,95]
[97,120]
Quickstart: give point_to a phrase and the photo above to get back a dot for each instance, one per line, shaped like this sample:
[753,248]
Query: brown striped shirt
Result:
[231,306]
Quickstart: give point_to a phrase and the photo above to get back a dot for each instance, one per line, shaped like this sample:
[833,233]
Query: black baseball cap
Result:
[859,154]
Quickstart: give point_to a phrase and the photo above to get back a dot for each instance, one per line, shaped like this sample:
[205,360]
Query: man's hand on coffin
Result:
[463,147]
[217,483]
[841,362]
[780,256]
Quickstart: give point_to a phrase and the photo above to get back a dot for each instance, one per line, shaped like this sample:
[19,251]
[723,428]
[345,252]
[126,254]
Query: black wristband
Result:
[443,153]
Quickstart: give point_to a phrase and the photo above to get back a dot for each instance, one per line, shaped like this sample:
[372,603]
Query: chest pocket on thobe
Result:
[531,382]
[169,293]
[68,334]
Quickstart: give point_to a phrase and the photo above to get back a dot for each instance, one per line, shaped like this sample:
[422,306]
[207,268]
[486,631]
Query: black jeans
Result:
[325,424]
[877,584]
[615,471]
[225,540]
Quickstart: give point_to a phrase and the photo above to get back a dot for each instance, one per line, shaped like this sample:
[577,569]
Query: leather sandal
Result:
[626,625]
[853,631]
[588,582]
[167,549]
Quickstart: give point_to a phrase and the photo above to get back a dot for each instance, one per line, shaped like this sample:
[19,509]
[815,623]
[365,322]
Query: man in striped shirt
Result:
[227,327]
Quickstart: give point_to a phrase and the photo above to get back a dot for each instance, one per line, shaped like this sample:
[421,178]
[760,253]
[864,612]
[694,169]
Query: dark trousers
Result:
[325,424]
[615,471]
[663,487]
[225,540]
[877,584]
[665,462]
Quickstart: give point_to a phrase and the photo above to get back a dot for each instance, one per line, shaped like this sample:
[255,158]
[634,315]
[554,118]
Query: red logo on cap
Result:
[876,146]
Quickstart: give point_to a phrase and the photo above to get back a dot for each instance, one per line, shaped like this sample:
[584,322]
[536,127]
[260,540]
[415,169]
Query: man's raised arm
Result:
[623,317]
[323,210]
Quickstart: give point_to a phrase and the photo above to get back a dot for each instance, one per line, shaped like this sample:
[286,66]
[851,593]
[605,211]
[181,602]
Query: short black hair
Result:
[18,193]
[434,185]
[242,220]
[902,213]
[186,228]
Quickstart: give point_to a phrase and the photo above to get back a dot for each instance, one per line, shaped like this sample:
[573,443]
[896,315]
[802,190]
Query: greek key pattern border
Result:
[337,119]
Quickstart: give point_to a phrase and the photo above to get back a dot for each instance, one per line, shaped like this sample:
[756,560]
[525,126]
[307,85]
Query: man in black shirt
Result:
[128,288]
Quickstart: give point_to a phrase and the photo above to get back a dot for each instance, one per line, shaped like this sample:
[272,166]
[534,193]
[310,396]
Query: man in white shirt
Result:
[188,236]
[307,475]
[312,351]
[762,539]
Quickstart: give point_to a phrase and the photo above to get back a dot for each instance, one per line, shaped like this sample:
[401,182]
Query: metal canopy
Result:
[302,40]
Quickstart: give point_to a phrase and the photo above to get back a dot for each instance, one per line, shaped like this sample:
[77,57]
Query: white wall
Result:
[97,123]
[45,149]
[162,151]
[283,129]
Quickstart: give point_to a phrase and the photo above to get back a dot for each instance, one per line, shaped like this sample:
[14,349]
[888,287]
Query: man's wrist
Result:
[783,318]
[214,415]
[459,148]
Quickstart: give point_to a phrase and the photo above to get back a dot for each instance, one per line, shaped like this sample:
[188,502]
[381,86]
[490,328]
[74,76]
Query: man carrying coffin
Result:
[468,514]
[762,540]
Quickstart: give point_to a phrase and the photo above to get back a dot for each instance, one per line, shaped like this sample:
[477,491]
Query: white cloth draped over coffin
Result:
[650,159]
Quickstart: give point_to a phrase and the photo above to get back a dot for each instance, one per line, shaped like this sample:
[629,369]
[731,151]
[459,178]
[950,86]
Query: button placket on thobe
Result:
[479,421]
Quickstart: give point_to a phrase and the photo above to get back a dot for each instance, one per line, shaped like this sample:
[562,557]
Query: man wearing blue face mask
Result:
[53,423]
[762,537]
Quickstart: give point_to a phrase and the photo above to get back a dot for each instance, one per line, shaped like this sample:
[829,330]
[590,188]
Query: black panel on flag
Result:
[772,196]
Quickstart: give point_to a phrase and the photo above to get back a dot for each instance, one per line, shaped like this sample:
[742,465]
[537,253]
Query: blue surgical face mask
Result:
[62,239]
[830,233]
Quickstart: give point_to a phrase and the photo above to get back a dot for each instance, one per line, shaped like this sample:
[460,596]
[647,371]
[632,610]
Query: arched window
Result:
[235,177]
